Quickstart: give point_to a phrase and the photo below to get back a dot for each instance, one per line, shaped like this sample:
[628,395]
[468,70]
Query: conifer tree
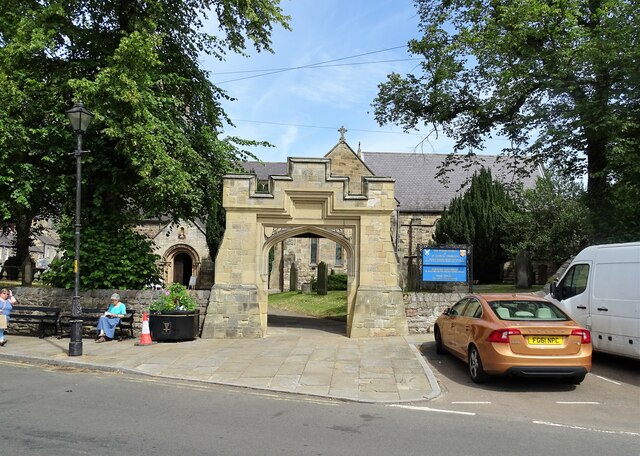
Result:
[476,218]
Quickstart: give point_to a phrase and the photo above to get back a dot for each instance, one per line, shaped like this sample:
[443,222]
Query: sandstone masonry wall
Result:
[424,308]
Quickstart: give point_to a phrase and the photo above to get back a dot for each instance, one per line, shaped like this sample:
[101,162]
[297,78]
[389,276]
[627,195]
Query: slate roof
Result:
[266,169]
[417,189]
[46,239]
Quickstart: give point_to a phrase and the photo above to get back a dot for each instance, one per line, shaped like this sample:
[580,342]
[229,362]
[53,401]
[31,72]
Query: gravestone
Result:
[323,279]
[293,278]
[524,270]
[27,272]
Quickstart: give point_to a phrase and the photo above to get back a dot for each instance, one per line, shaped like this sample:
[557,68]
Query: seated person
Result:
[107,323]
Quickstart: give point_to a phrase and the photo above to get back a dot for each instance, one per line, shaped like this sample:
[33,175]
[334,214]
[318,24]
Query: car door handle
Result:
[603,309]
[582,307]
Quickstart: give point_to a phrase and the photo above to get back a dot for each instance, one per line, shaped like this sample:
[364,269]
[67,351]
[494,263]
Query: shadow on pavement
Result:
[282,321]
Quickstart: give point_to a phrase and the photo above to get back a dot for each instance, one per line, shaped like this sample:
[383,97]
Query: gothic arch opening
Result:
[306,247]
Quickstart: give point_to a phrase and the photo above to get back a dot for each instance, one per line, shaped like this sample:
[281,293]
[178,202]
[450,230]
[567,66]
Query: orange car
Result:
[514,334]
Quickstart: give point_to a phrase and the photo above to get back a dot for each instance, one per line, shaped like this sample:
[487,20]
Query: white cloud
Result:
[287,139]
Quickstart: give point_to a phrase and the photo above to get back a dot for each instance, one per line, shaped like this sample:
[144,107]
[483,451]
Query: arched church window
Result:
[314,251]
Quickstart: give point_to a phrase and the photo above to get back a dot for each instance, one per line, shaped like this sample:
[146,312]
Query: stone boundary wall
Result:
[424,308]
[138,300]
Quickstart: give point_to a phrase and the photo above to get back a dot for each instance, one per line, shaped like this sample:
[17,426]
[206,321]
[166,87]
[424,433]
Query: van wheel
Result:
[575,380]
[439,347]
[476,370]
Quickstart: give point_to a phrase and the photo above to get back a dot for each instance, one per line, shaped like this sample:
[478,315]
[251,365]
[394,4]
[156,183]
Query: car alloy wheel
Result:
[475,366]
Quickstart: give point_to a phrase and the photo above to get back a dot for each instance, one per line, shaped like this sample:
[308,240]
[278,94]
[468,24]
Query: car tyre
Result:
[476,371]
[439,347]
[575,380]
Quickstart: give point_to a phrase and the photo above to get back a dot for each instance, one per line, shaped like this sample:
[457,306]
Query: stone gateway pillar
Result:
[312,198]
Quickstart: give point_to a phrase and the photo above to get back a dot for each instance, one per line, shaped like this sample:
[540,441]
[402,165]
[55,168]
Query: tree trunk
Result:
[23,238]
[598,187]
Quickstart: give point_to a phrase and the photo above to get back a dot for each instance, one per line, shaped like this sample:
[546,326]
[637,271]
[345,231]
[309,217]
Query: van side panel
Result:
[609,304]
[614,308]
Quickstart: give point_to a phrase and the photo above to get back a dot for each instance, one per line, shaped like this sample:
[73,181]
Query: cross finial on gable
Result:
[342,131]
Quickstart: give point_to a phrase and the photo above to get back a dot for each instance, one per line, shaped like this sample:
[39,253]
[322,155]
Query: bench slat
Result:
[37,314]
[90,317]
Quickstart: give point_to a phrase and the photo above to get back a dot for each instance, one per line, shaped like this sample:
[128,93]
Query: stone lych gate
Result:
[346,204]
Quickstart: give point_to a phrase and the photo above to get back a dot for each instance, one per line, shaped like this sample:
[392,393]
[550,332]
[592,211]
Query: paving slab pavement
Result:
[291,359]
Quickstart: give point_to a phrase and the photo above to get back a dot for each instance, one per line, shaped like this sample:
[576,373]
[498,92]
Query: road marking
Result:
[609,380]
[578,402]
[471,402]
[582,428]
[15,363]
[428,409]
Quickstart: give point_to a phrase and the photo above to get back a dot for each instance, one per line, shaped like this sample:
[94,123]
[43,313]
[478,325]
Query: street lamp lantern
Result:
[80,120]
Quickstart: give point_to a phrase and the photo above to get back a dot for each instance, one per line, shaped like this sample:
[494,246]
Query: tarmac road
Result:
[55,410]
[312,357]
[607,400]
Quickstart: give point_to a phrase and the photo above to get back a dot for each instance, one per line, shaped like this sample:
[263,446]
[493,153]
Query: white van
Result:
[601,291]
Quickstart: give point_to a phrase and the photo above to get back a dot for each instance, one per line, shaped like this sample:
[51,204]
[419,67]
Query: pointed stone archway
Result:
[340,235]
[309,199]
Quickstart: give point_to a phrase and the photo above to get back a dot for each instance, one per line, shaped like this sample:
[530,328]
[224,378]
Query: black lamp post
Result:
[80,119]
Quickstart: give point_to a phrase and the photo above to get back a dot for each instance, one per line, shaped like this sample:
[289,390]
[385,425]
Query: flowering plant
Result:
[175,298]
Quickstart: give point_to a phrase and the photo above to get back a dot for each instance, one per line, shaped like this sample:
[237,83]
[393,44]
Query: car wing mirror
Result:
[446,311]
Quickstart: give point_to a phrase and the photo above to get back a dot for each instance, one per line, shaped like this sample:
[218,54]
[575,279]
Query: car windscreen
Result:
[523,309]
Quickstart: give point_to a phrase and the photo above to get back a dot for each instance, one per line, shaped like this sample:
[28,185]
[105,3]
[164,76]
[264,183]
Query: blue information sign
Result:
[444,265]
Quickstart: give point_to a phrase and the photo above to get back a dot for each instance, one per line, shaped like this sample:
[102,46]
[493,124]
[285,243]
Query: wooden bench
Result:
[43,316]
[90,319]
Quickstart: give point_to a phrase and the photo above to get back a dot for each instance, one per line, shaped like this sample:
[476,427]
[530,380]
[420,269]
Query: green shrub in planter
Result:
[175,298]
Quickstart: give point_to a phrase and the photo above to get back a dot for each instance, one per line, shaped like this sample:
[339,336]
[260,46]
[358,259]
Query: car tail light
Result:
[584,334]
[501,336]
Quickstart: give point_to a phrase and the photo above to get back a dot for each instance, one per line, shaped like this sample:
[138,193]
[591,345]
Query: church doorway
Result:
[182,268]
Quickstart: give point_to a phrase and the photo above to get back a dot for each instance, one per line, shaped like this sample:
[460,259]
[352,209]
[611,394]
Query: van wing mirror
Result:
[553,291]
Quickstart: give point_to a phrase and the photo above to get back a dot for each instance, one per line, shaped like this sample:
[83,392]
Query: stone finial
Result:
[359,150]
[342,131]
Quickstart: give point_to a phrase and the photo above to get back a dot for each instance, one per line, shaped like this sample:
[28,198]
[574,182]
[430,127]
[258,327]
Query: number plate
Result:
[544,340]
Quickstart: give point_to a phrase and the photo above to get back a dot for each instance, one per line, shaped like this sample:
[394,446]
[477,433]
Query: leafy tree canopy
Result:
[559,79]
[112,256]
[156,145]
[549,221]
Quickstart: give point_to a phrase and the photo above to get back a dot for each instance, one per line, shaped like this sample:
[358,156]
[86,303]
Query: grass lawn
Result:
[333,305]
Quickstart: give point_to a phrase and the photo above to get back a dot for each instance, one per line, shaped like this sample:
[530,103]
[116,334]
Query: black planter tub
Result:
[174,325]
